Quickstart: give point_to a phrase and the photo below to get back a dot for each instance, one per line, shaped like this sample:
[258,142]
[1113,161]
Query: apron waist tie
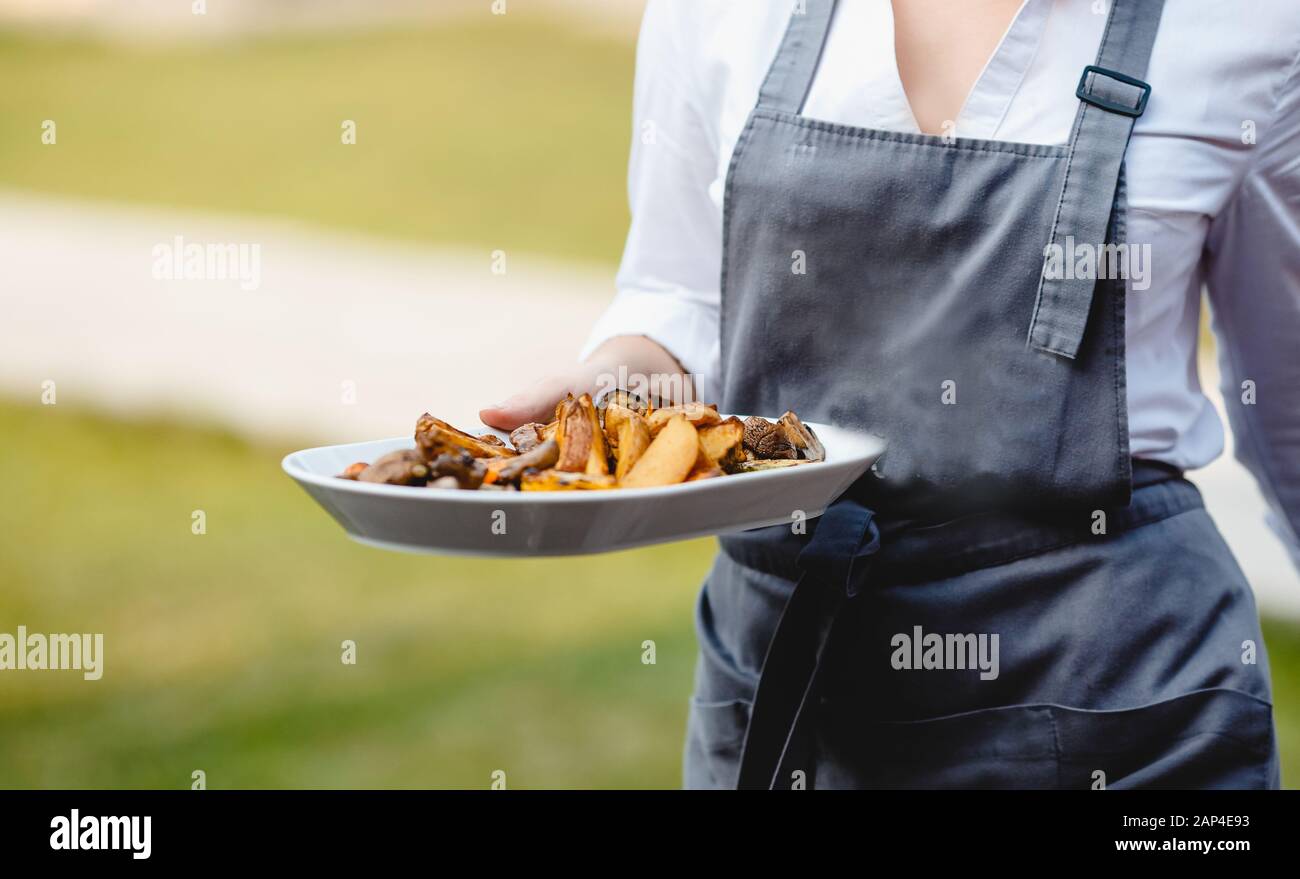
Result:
[834,565]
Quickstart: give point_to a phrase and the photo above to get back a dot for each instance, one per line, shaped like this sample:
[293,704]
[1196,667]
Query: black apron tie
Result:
[834,565]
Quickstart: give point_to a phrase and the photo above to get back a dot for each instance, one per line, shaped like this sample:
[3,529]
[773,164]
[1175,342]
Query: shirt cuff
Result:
[687,330]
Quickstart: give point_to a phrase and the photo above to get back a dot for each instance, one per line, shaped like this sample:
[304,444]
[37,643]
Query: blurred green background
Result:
[223,649]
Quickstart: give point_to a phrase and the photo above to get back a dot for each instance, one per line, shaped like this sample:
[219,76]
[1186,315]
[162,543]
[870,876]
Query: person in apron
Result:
[1008,600]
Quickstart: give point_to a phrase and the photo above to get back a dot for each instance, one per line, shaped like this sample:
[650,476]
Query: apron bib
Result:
[897,283]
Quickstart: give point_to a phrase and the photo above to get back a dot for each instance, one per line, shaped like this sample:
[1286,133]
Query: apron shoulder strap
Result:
[788,79]
[1111,96]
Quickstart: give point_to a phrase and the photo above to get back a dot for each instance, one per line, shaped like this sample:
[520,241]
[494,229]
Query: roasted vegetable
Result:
[559,480]
[403,467]
[705,466]
[624,398]
[633,439]
[581,441]
[540,458]
[527,437]
[669,457]
[766,439]
[696,413]
[435,437]
[467,470]
[802,438]
[722,441]
[352,471]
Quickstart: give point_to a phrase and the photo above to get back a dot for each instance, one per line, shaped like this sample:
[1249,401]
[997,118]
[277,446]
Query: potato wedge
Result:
[581,441]
[705,467]
[633,440]
[559,480]
[614,415]
[436,437]
[668,458]
[722,441]
[696,413]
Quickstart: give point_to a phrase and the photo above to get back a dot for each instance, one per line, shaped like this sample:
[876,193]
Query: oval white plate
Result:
[512,524]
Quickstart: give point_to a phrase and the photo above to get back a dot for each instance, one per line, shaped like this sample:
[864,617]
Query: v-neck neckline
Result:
[989,98]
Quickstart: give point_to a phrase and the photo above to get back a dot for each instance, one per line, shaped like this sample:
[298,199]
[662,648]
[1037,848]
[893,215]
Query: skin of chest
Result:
[941,47]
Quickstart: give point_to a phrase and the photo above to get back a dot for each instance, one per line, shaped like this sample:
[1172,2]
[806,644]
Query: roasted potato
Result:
[581,441]
[722,441]
[633,440]
[560,480]
[669,457]
[705,466]
[697,414]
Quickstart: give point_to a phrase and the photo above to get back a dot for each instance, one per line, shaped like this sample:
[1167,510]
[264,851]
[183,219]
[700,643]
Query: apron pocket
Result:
[1009,747]
[1217,738]
[1205,740]
[715,735]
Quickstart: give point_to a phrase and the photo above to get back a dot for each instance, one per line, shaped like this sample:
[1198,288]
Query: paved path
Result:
[406,329]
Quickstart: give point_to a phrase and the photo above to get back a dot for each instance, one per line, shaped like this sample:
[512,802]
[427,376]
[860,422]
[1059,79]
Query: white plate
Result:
[518,523]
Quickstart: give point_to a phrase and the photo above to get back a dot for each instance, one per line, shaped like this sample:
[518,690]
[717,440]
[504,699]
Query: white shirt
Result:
[1213,185]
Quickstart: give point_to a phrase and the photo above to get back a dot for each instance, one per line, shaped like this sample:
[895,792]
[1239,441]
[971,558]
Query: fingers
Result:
[535,404]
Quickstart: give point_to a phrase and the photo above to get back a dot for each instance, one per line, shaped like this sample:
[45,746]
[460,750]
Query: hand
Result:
[635,354]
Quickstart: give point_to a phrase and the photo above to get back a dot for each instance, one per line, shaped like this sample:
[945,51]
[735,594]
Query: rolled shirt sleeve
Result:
[1253,279]
[668,281]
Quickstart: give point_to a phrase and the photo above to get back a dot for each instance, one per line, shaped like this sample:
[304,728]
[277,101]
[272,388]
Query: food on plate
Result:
[628,437]
[403,467]
[696,413]
[434,436]
[560,480]
[723,442]
[624,442]
[468,471]
[541,458]
[527,437]
[669,457]
[580,437]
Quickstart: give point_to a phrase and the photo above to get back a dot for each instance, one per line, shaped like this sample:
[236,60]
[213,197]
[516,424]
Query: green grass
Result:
[223,649]
[493,132]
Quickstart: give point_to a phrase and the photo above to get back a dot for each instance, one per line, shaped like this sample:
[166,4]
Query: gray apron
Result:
[1093,628]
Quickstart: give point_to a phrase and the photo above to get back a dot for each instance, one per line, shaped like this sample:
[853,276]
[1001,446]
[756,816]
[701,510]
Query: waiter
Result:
[979,228]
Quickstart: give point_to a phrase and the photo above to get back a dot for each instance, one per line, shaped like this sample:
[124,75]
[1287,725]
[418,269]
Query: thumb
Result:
[535,404]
